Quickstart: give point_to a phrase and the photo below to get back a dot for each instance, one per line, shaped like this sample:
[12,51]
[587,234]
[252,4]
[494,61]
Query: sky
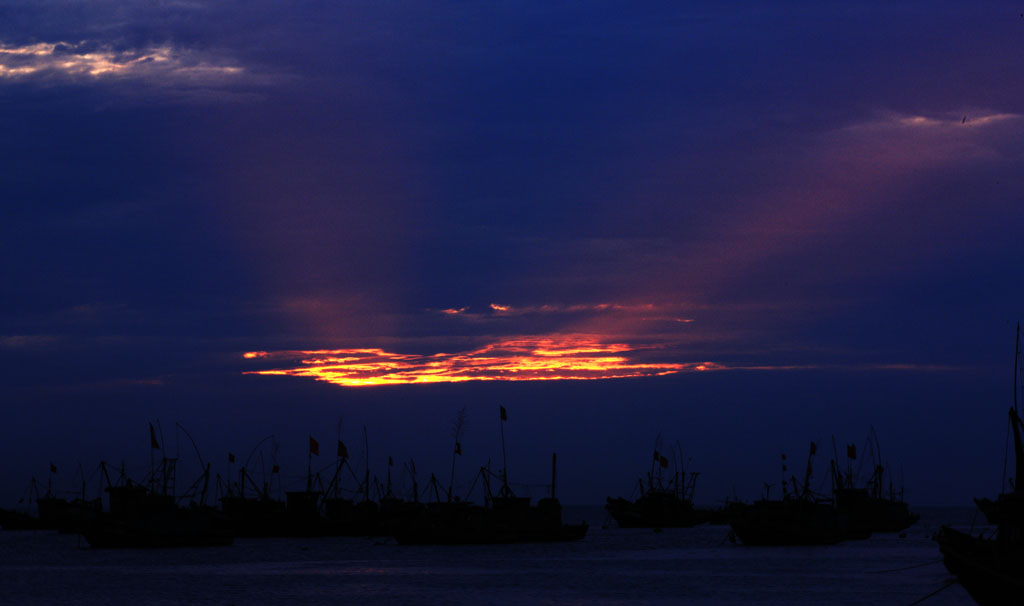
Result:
[738,229]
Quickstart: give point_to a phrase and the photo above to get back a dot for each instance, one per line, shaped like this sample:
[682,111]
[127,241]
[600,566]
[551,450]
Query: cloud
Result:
[27,342]
[527,358]
[95,60]
[523,358]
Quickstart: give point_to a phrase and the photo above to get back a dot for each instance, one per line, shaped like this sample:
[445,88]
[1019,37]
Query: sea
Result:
[701,565]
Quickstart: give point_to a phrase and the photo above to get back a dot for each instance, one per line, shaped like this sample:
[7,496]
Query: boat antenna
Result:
[807,474]
[366,453]
[554,472]
[458,428]
[504,458]
[1016,367]
[189,436]
[248,459]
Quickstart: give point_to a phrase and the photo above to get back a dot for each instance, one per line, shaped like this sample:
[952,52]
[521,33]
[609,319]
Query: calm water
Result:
[610,566]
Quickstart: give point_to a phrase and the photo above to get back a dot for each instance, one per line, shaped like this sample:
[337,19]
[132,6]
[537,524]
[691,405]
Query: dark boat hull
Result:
[991,574]
[17,520]
[176,528]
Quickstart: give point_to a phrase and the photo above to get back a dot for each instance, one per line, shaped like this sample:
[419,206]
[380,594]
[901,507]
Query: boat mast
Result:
[554,472]
[1015,422]
[807,474]
[458,426]
[505,491]
[366,454]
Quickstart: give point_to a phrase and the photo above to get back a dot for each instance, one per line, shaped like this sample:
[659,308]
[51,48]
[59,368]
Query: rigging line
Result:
[905,568]
[946,586]
[1006,454]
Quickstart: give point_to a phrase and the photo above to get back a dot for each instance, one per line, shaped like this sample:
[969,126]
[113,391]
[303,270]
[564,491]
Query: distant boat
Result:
[869,506]
[991,568]
[504,517]
[143,516]
[798,518]
[662,503]
[11,519]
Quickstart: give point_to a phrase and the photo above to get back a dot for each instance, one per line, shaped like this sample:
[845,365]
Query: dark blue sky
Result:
[821,202]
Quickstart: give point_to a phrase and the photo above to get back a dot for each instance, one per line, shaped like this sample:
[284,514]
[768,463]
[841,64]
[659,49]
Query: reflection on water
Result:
[610,566]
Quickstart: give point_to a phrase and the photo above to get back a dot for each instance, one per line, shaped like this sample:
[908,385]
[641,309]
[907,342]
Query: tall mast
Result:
[366,477]
[504,459]
[1015,423]
[458,427]
[554,472]
[1016,366]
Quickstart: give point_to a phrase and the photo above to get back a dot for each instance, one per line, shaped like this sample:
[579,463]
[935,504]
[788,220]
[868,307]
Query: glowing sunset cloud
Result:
[551,357]
[97,60]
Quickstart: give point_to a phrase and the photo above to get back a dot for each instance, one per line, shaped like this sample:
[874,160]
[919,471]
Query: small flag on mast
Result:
[504,415]
[391,462]
[851,451]
[814,448]
[231,457]
[657,456]
[314,446]
[53,468]
[458,448]
[664,462]
[342,451]
[153,443]
[275,469]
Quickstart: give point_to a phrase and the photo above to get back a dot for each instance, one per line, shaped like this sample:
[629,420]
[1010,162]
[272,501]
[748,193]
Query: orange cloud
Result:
[550,357]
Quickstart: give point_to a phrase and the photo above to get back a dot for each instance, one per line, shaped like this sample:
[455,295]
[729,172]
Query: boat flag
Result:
[231,457]
[391,462]
[152,437]
[53,468]
[657,456]
[342,451]
[275,469]
[504,415]
[664,462]
[314,446]
[814,448]
[851,451]
[458,448]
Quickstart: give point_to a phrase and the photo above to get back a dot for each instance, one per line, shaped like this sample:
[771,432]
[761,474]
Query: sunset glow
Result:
[550,357]
[100,60]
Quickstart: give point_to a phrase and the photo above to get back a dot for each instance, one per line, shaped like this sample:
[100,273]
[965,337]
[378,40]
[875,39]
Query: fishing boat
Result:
[145,515]
[141,517]
[799,518]
[12,519]
[254,514]
[663,503]
[991,566]
[868,505]
[503,518]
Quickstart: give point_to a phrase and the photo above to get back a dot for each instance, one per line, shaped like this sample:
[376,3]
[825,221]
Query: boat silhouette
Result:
[869,506]
[503,518]
[663,503]
[991,566]
[799,518]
